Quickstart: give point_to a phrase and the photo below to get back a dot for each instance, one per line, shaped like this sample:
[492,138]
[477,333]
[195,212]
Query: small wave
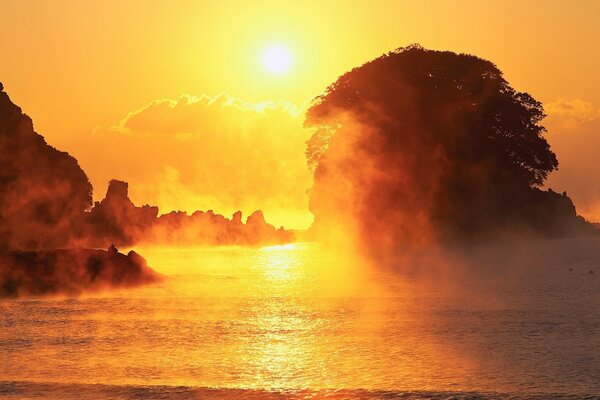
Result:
[65,391]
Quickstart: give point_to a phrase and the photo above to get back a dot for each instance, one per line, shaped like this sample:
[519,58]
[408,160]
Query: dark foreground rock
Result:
[43,191]
[71,271]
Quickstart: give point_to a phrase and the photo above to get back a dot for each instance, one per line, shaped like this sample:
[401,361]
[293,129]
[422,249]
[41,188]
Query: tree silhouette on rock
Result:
[419,145]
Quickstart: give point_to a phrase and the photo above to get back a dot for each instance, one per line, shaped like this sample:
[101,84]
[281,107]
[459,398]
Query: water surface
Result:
[282,322]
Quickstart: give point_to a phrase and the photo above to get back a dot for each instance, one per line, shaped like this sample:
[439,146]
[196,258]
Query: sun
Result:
[277,59]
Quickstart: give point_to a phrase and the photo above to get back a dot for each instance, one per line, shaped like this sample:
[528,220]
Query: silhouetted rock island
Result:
[116,219]
[71,271]
[421,146]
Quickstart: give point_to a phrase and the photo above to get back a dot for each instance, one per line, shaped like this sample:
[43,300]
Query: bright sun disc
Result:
[277,59]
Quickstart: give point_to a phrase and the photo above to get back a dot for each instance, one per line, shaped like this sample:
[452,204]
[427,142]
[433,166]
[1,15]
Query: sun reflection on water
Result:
[281,353]
[281,264]
[280,317]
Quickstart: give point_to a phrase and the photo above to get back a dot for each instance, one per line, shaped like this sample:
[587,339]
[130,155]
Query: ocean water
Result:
[297,321]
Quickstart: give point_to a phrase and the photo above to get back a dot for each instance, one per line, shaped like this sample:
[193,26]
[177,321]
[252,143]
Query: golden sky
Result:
[174,98]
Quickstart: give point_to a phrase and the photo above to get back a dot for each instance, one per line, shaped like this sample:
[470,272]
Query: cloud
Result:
[182,116]
[575,110]
[202,152]
[574,134]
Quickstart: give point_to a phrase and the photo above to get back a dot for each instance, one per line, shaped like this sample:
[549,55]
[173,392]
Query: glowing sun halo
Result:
[277,59]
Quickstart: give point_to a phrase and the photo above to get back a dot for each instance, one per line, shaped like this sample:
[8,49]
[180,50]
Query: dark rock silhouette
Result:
[71,272]
[43,191]
[419,146]
[237,218]
[117,220]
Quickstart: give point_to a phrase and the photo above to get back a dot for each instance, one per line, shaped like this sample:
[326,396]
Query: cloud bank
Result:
[574,133]
[218,153]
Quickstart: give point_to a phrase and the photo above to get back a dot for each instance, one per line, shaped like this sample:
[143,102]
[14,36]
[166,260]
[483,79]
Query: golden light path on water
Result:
[293,317]
[301,321]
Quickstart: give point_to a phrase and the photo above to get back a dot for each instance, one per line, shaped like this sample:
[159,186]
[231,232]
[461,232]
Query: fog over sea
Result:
[283,322]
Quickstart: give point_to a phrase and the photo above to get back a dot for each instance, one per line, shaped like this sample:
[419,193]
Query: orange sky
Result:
[104,79]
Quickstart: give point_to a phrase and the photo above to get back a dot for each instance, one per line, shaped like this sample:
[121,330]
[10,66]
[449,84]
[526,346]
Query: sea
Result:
[300,321]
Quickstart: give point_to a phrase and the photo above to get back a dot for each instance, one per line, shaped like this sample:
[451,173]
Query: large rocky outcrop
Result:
[43,191]
[421,146]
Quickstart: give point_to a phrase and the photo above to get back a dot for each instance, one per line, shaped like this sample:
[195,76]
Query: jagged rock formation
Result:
[71,272]
[116,219]
[43,191]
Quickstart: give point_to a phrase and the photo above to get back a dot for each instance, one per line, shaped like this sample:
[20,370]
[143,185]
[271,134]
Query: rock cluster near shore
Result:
[71,271]
[116,219]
